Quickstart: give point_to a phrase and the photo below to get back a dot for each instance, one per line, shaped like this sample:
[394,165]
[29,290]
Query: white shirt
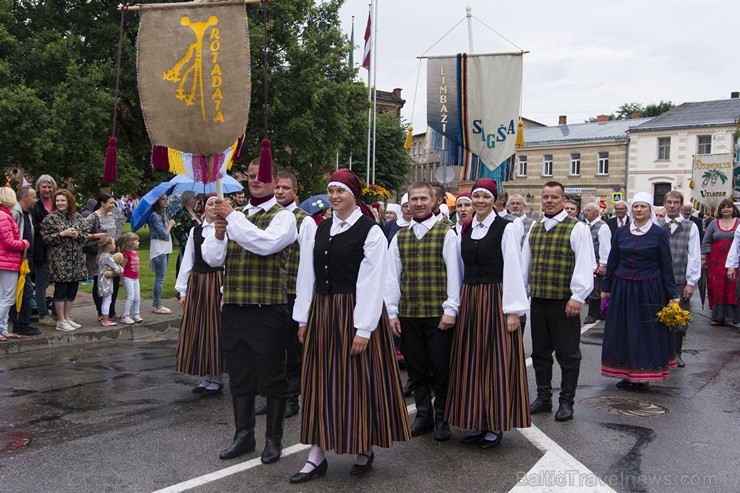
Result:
[605,241]
[641,230]
[369,291]
[514,293]
[307,231]
[277,236]
[733,256]
[582,281]
[188,259]
[693,263]
[453,264]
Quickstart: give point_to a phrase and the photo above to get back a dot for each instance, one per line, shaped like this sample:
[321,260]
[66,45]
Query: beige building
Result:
[589,159]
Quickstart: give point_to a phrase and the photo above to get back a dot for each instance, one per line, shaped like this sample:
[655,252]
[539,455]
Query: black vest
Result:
[483,260]
[337,259]
[200,265]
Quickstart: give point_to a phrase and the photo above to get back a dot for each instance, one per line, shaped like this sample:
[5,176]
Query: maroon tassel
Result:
[265,171]
[160,158]
[239,149]
[110,169]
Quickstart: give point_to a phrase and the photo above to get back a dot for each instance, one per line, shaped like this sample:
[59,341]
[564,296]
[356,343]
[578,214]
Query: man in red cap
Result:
[251,243]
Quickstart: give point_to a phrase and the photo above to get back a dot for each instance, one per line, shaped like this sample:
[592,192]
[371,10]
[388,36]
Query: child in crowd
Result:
[128,245]
[106,248]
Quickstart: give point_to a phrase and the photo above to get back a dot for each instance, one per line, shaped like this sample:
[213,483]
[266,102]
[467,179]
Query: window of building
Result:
[659,191]
[664,148]
[547,165]
[522,166]
[704,144]
[575,164]
[602,163]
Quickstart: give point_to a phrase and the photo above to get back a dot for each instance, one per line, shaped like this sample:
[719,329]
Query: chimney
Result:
[602,118]
[636,115]
[397,92]
[734,95]
[563,120]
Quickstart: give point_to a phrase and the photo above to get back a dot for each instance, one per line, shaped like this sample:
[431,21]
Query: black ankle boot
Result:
[424,421]
[274,431]
[292,408]
[244,421]
[567,395]
[543,403]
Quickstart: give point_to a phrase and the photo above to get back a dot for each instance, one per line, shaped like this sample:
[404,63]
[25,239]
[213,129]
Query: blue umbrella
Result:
[144,209]
[315,203]
[184,182]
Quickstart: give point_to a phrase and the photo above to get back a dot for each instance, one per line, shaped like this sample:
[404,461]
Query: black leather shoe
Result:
[565,412]
[217,391]
[198,390]
[679,359]
[642,387]
[261,410]
[441,431]
[474,437]
[421,427]
[272,451]
[540,406]
[28,331]
[292,408]
[243,444]
[589,320]
[367,467]
[407,390]
[624,384]
[316,472]
[489,444]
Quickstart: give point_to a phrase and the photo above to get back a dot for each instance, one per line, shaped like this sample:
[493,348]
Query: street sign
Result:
[616,196]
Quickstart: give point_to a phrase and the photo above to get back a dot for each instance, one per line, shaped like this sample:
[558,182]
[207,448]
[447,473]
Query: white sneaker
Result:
[127,320]
[138,319]
[64,326]
[74,324]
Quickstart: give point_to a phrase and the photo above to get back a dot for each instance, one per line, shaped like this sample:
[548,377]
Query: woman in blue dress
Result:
[638,282]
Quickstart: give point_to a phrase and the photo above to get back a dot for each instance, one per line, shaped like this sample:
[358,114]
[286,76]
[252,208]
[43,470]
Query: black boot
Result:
[543,403]
[274,430]
[292,408]
[679,347]
[424,422]
[567,395]
[441,428]
[244,420]
[261,410]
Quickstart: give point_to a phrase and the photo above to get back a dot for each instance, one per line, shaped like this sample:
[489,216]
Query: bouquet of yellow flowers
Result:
[673,316]
[375,192]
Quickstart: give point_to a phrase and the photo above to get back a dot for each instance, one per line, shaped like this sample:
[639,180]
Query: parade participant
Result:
[351,387]
[12,250]
[286,188]
[160,247]
[250,244]
[392,215]
[488,378]
[464,211]
[638,281]
[620,217]
[602,240]
[516,211]
[714,249]
[22,216]
[440,195]
[45,188]
[238,200]
[685,252]
[659,214]
[405,219]
[199,285]
[185,218]
[500,204]
[558,261]
[571,207]
[686,213]
[64,231]
[422,294]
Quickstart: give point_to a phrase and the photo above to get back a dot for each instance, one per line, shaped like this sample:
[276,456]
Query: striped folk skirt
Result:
[199,349]
[349,402]
[488,375]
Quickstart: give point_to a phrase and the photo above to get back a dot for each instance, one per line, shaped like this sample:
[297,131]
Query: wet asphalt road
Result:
[114,416]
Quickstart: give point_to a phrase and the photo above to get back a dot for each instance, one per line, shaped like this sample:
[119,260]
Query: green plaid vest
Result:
[553,260]
[251,279]
[424,277]
[293,253]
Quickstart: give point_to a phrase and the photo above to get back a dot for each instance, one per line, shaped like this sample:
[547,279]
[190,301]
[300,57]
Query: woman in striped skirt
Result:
[199,285]
[351,387]
[488,378]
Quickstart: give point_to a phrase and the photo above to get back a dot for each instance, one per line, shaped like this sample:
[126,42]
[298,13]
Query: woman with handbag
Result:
[63,231]
[101,223]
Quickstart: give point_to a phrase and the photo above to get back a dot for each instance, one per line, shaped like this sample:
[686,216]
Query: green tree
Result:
[392,162]
[626,110]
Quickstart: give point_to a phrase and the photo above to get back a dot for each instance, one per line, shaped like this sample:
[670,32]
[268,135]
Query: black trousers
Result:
[253,344]
[552,332]
[99,301]
[22,319]
[426,350]
[293,351]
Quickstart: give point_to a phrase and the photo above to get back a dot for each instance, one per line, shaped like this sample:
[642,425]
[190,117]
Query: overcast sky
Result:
[586,57]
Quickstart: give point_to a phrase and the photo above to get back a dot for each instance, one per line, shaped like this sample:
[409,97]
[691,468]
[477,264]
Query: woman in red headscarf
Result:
[351,388]
[488,377]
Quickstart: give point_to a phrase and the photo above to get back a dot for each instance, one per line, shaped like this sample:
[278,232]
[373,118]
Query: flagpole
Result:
[469,15]
[375,79]
[369,40]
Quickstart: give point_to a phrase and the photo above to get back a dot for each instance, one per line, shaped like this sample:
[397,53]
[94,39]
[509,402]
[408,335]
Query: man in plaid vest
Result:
[251,243]
[558,259]
[686,254]
[422,296]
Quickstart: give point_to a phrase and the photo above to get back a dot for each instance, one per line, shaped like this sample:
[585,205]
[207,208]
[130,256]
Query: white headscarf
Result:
[645,198]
